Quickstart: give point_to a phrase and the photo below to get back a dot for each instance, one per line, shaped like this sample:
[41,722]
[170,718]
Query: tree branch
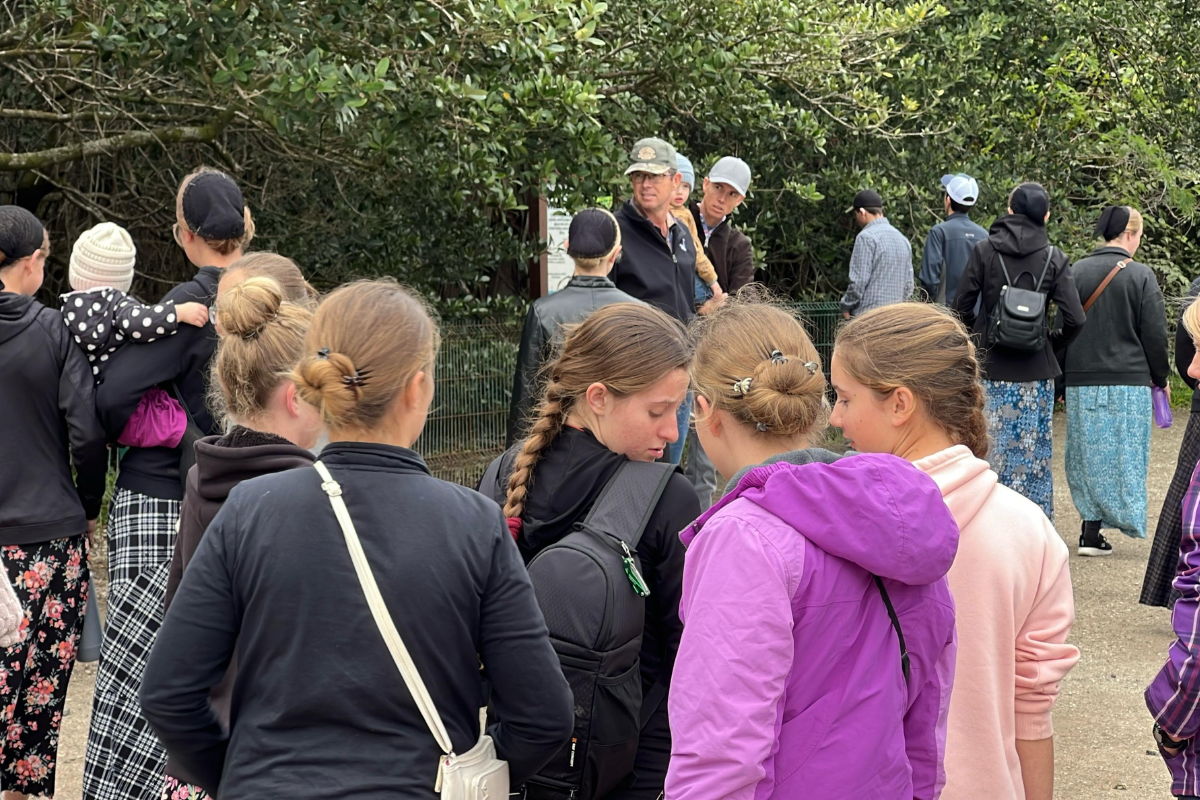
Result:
[13,162]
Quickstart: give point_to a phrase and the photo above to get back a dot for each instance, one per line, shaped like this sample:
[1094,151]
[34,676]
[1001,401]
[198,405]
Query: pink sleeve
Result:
[1043,655]
[733,662]
[159,421]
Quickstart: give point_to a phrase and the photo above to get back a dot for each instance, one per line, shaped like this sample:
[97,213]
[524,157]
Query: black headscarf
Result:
[1112,223]
[1031,201]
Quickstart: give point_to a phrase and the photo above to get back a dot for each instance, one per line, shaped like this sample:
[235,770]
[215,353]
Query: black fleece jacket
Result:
[653,270]
[49,411]
[1124,342]
[183,360]
[319,708]
[1023,244]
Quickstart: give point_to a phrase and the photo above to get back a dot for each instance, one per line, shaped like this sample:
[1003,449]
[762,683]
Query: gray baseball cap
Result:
[652,155]
[962,188]
[732,171]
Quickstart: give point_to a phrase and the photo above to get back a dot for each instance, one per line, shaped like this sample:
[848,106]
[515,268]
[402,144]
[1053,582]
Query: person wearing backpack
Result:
[347,686]
[1017,272]
[818,640]
[607,413]
[1108,371]
[907,383]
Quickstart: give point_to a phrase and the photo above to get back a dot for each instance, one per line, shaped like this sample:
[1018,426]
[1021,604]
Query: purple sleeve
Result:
[1174,696]
[159,421]
[928,713]
[734,659]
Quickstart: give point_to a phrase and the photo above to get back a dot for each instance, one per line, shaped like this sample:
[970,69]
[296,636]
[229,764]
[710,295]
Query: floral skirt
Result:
[52,583]
[1108,454]
[125,760]
[1020,422]
[176,789]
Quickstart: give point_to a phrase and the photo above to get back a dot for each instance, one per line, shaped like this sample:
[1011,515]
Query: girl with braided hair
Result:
[611,397]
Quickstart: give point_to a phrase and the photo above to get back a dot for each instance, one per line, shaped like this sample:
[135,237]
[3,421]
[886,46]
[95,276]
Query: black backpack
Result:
[591,592]
[1018,320]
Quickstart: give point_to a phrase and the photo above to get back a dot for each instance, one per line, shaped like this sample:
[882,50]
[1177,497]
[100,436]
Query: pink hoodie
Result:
[1012,588]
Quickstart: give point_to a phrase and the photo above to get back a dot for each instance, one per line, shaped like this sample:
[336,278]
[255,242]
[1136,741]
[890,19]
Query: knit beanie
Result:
[103,256]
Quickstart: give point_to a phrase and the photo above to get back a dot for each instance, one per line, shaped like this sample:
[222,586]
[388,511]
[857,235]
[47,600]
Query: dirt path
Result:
[1102,726]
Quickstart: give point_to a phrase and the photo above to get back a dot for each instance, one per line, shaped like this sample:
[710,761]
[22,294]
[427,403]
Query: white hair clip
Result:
[742,387]
[812,367]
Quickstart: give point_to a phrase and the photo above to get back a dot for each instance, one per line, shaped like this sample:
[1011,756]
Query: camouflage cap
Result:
[652,155]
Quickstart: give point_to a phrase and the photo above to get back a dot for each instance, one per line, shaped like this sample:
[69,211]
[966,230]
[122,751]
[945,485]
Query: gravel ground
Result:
[1102,727]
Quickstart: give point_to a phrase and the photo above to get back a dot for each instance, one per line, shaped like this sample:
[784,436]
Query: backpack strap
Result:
[887,601]
[1008,281]
[501,467]
[628,499]
[1045,268]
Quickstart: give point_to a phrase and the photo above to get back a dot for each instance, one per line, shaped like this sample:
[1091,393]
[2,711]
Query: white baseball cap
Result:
[962,188]
[732,171]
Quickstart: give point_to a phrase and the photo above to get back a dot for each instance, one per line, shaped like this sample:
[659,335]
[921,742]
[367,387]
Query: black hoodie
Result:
[181,360]
[48,406]
[1023,244]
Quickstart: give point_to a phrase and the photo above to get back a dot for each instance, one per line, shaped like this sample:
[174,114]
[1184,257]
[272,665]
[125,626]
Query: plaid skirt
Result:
[1164,552]
[125,760]
[52,584]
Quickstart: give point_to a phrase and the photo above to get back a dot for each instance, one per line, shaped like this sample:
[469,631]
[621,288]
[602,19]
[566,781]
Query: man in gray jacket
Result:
[593,242]
[949,244]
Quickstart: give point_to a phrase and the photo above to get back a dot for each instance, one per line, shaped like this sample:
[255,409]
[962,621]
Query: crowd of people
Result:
[773,619]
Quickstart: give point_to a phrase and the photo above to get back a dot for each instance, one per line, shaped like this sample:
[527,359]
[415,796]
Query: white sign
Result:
[559,266]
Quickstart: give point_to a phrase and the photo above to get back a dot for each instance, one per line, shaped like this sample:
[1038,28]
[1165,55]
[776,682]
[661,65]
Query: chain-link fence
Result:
[474,377]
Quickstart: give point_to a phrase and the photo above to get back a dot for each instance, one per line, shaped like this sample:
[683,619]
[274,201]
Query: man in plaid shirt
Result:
[1174,696]
[881,270]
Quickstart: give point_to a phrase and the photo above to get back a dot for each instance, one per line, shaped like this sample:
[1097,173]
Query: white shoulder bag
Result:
[476,774]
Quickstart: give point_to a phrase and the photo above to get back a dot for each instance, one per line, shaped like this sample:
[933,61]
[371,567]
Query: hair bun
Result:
[249,307]
[322,384]
[781,394]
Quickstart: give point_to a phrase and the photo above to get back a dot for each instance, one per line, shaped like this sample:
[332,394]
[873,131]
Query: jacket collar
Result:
[635,214]
[878,221]
[1110,250]
[591,282]
[374,457]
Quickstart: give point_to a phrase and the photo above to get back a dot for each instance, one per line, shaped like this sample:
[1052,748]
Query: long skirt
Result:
[1164,552]
[52,583]
[1108,454]
[1020,420]
[125,760]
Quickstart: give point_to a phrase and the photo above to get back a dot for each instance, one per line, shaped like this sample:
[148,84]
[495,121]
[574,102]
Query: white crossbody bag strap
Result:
[383,619]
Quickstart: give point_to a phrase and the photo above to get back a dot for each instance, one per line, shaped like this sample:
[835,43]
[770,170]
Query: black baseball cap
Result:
[593,234]
[867,198]
[213,207]
[1030,200]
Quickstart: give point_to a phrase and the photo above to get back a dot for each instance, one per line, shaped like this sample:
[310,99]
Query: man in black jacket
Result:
[594,244]
[729,249]
[658,262]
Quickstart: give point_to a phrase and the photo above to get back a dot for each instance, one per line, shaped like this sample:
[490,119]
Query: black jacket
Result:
[1185,348]
[582,295]
[729,250]
[182,359]
[49,412]
[1023,245]
[653,271]
[566,482]
[222,462]
[1124,342]
[319,708]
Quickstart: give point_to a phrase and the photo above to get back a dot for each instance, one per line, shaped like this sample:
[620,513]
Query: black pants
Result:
[650,766]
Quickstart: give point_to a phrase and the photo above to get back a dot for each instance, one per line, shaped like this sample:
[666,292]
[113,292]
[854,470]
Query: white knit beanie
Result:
[103,256]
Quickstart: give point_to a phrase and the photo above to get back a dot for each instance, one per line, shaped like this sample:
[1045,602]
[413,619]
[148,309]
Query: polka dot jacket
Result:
[104,318]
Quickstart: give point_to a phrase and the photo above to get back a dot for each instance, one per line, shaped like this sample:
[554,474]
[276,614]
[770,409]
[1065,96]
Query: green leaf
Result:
[381,68]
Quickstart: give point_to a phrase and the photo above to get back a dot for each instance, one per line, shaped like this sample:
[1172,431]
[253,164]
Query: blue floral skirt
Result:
[1020,422]
[1108,454]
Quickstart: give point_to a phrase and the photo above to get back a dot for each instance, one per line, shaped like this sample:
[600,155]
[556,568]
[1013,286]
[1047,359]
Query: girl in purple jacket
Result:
[790,680]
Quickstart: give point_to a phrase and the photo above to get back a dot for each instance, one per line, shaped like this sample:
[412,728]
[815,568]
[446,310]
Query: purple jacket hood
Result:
[874,510]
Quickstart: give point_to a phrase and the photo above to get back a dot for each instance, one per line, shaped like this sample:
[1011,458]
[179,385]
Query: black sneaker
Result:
[1094,544]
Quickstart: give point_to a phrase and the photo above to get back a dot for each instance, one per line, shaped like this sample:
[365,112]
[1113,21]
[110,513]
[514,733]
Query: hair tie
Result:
[515,524]
[357,379]
[778,357]
[323,352]
[742,387]
[812,367]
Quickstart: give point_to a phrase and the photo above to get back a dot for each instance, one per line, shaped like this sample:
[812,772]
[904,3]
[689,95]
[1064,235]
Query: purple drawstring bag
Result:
[159,421]
[1162,407]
